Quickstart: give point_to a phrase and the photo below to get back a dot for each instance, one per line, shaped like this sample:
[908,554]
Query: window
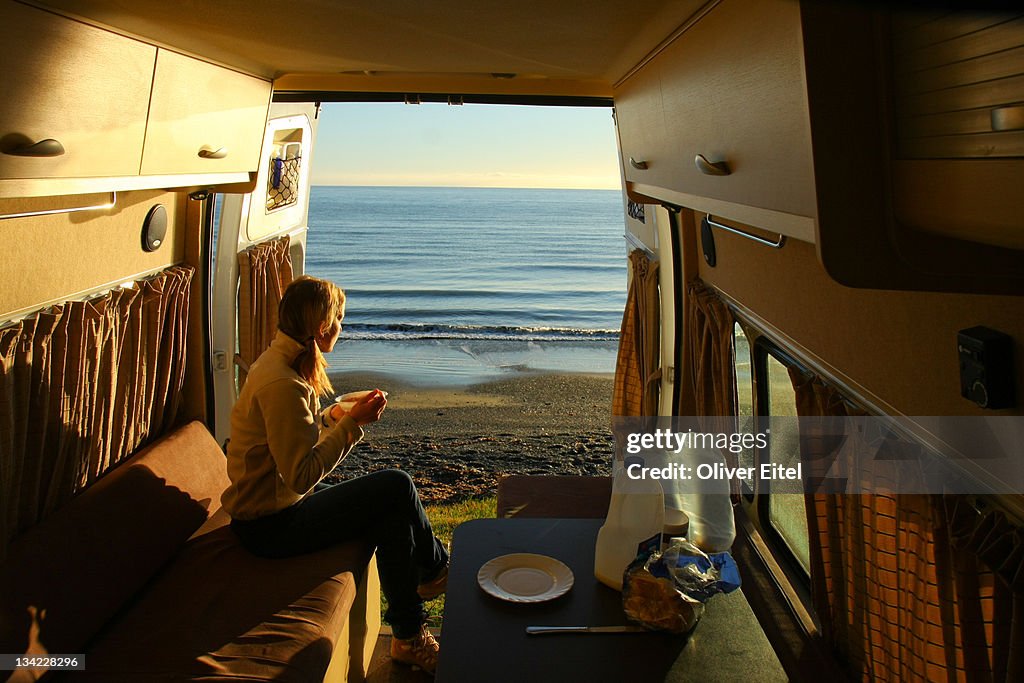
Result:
[766,403]
[786,512]
[745,401]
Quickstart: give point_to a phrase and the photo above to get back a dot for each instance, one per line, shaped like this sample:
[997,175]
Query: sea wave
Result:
[403,331]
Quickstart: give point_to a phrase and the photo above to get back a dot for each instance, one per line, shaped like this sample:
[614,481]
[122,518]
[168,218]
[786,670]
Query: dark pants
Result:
[380,508]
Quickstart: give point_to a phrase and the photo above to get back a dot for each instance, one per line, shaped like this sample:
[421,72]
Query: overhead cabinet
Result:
[203,118]
[74,97]
[893,140]
[918,146]
[717,121]
[643,138]
[85,109]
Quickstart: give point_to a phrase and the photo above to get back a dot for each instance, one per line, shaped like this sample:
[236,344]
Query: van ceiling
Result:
[568,40]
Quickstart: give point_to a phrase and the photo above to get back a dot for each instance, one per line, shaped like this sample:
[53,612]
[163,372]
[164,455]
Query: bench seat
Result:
[244,616]
[155,586]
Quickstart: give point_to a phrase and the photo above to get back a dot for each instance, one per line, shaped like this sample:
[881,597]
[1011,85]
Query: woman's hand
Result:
[369,408]
[343,406]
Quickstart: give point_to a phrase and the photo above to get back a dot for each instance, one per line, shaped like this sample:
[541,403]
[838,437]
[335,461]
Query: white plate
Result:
[525,577]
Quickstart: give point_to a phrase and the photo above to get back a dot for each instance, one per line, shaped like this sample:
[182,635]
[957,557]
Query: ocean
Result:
[460,285]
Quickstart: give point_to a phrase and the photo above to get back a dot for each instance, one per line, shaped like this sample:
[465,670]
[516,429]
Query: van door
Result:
[278,206]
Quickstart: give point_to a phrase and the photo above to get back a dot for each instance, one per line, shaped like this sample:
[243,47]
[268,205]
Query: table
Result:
[484,639]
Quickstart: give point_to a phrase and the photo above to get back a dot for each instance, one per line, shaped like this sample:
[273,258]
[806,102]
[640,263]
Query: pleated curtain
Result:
[638,366]
[82,386]
[708,369]
[981,567]
[909,587]
[708,372]
[264,271]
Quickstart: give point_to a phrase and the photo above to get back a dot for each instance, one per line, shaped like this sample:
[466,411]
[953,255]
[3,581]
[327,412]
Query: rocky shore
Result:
[457,441]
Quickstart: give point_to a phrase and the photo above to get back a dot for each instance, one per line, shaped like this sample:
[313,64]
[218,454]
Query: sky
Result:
[473,145]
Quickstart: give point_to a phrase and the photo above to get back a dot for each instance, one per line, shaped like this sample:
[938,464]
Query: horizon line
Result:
[474,187]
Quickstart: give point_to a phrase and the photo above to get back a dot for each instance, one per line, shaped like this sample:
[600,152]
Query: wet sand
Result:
[457,441]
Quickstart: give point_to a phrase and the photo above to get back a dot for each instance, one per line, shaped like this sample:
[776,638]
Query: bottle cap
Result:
[677,523]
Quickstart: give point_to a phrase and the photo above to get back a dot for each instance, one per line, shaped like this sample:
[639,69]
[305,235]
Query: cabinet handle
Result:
[207,152]
[1008,118]
[638,165]
[44,148]
[711,167]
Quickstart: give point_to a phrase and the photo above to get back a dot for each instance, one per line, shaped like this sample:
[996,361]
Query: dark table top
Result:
[484,638]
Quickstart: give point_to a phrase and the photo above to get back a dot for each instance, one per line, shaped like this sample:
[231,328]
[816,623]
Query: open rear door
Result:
[278,206]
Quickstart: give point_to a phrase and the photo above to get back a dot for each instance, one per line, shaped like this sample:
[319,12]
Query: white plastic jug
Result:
[705,500]
[636,516]
[712,525]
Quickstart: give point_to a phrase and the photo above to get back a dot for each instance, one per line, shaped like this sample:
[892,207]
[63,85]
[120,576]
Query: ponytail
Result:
[308,306]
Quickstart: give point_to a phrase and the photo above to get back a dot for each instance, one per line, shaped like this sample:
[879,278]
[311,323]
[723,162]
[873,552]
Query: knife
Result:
[537,630]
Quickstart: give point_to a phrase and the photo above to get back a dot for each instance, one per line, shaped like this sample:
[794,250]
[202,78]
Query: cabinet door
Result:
[203,118]
[86,88]
[902,208]
[729,88]
[640,119]
[733,91]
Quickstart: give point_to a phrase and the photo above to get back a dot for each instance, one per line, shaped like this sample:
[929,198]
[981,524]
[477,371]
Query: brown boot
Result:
[421,650]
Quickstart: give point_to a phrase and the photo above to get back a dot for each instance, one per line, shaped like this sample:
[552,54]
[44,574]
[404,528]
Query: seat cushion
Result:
[220,613]
[567,496]
[67,576]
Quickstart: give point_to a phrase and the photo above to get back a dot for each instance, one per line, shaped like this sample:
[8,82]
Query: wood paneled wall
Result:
[50,258]
[899,348]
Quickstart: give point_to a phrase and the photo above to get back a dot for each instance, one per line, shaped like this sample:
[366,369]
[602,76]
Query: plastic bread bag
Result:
[694,572]
[655,602]
[666,591]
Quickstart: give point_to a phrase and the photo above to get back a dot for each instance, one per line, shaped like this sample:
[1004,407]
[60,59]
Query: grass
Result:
[444,519]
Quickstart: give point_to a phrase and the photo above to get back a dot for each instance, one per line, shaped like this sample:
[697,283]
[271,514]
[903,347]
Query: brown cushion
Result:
[220,613]
[82,563]
[567,496]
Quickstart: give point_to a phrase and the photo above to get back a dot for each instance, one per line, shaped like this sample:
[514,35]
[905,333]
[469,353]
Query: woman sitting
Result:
[282,446]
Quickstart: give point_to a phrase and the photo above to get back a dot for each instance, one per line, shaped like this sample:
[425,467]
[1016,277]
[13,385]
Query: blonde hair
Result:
[308,308]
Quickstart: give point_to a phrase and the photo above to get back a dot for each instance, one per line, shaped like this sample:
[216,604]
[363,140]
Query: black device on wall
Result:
[707,242]
[986,367]
[154,228]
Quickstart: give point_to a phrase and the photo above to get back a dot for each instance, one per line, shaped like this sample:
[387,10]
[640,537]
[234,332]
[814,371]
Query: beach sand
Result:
[457,441]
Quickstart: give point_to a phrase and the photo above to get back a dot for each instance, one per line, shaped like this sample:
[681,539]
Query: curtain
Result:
[637,369]
[708,373]
[908,587]
[264,271]
[82,385]
[981,565]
